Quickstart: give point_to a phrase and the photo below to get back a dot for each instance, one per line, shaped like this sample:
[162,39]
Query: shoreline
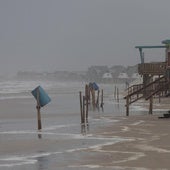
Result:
[147,148]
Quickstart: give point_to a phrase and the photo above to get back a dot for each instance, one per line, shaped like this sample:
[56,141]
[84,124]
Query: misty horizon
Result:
[40,35]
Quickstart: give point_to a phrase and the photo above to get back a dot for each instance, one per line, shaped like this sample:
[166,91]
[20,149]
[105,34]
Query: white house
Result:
[123,76]
[107,76]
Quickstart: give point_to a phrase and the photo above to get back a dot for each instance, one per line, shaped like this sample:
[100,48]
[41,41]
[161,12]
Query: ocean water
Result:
[65,95]
[61,142]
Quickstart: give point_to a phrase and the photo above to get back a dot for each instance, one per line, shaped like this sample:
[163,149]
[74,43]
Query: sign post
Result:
[38,110]
[42,99]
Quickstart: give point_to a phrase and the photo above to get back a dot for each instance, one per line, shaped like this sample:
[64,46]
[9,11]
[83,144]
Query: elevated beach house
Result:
[156,78]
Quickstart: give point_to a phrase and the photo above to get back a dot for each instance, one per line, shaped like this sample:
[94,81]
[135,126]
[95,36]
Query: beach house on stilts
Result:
[156,78]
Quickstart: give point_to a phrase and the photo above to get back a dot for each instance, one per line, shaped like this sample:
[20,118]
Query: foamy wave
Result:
[10,88]
[57,135]
[11,161]
[59,126]
[139,108]
[14,97]
[23,160]
[93,166]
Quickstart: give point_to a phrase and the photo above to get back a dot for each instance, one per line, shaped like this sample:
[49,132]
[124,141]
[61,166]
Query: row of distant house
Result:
[120,76]
[94,73]
[115,73]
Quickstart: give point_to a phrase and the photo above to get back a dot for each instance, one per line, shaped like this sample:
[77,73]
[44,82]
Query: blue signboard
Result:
[94,86]
[43,96]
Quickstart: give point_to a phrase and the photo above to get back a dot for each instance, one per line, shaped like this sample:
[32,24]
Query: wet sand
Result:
[139,142]
[148,147]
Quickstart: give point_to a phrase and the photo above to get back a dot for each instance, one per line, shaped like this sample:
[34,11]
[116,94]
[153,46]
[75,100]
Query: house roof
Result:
[123,76]
[107,76]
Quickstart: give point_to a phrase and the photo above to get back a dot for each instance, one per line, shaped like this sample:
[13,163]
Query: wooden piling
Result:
[89,91]
[127,106]
[81,107]
[87,108]
[93,98]
[115,93]
[151,105]
[38,110]
[86,90]
[159,92]
[101,105]
[84,116]
[97,100]
[118,94]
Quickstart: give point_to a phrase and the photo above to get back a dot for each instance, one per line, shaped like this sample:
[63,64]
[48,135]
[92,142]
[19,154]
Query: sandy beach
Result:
[147,148]
[139,142]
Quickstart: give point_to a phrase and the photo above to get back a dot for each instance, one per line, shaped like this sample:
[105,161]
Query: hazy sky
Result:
[75,34]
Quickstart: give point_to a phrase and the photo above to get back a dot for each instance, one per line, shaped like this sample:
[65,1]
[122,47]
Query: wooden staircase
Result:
[138,91]
[159,87]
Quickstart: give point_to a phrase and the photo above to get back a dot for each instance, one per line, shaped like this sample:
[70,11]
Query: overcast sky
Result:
[48,35]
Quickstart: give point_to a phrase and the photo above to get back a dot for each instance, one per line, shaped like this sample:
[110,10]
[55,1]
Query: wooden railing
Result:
[157,88]
[157,68]
[136,92]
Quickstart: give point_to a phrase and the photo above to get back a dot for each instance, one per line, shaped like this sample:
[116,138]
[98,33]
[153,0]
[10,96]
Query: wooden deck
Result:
[156,68]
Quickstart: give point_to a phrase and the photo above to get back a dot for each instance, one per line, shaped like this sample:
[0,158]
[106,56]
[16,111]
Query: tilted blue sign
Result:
[43,96]
[94,86]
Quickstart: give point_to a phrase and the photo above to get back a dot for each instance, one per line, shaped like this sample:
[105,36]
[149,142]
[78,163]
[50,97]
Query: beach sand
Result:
[144,142]
[148,146]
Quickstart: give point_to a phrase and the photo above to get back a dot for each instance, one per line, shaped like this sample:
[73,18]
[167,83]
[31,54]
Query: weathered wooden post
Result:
[151,105]
[115,93]
[87,109]
[159,92]
[84,116]
[127,106]
[87,91]
[93,98]
[86,102]
[101,104]
[82,113]
[89,97]
[118,94]
[38,110]
[97,100]
[81,107]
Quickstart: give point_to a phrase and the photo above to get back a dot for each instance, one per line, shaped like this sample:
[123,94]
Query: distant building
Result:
[107,76]
[116,70]
[95,73]
[123,76]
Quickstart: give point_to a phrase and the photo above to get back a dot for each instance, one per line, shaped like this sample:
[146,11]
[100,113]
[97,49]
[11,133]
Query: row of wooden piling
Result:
[89,99]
